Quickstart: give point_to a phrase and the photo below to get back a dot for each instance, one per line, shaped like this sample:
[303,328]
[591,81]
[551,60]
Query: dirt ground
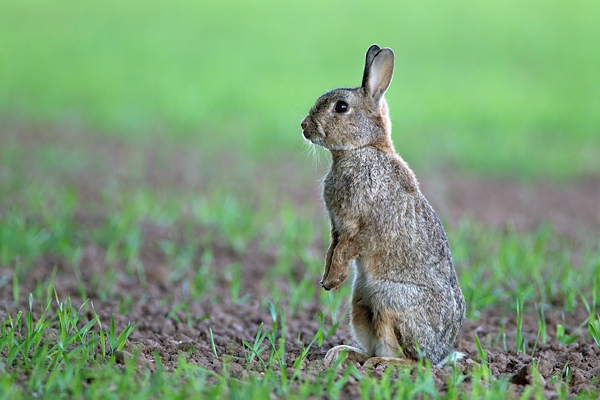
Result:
[573,208]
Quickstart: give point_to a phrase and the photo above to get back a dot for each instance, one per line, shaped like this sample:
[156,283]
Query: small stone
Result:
[594,372]
[578,377]
[168,328]
[142,361]
[558,347]
[237,371]
[575,358]
[185,346]
[545,368]
[538,378]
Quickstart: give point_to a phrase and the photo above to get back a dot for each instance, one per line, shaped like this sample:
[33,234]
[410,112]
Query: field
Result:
[161,228]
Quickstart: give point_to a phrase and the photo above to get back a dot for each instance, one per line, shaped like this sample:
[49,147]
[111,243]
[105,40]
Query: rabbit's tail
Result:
[453,357]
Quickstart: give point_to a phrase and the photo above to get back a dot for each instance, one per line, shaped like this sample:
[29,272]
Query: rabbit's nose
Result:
[304,124]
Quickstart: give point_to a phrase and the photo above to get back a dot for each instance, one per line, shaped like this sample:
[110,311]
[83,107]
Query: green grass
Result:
[506,88]
[64,348]
[494,265]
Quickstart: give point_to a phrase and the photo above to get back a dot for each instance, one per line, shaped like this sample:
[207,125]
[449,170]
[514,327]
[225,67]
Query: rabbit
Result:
[407,304]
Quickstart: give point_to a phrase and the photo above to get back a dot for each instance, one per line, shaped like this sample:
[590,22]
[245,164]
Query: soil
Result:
[573,209]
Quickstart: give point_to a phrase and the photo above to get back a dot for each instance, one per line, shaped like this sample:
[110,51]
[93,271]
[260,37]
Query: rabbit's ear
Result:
[373,50]
[378,77]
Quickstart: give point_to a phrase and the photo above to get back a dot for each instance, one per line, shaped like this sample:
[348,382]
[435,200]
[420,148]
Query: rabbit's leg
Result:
[386,338]
[349,353]
[337,268]
[418,324]
[362,322]
[384,362]
[387,349]
[329,257]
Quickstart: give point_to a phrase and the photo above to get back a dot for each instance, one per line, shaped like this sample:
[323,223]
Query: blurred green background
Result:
[505,88]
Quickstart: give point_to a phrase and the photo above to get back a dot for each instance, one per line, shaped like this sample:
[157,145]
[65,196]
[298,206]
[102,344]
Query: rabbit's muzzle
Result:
[311,130]
[304,125]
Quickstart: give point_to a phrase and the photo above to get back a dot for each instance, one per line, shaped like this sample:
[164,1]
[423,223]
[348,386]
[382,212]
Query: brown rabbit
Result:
[406,301]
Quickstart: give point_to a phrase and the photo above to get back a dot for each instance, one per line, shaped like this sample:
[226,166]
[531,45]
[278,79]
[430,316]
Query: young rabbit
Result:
[406,301]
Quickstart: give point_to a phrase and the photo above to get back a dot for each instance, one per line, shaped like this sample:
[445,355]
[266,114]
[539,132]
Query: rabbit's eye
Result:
[341,107]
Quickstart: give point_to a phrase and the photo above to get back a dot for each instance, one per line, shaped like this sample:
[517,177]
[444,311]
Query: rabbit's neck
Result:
[369,157]
[365,155]
[382,146]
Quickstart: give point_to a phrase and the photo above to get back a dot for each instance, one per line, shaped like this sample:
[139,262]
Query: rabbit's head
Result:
[347,119]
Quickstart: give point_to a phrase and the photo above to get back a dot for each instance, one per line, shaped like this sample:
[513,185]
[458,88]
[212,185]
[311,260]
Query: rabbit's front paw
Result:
[335,275]
[331,281]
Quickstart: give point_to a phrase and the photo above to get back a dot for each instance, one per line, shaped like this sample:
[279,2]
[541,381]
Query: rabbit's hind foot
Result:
[384,362]
[348,353]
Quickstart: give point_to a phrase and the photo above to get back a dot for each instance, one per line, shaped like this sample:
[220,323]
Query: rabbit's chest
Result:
[355,193]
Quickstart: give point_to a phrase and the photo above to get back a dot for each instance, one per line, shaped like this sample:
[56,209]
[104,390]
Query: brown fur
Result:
[407,303]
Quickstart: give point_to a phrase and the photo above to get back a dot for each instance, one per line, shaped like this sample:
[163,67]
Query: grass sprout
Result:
[563,337]
[520,338]
[594,329]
